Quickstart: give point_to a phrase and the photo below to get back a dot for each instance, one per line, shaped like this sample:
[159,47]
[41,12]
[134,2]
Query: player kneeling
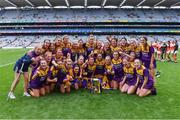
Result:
[76,77]
[38,80]
[145,80]
[89,68]
[129,80]
[109,73]
[63,79]
[52,76]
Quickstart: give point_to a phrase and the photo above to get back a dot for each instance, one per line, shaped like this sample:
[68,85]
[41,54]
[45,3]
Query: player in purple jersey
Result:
[129,80]
[118,71]
[145,80]
[37,83]
[147,56]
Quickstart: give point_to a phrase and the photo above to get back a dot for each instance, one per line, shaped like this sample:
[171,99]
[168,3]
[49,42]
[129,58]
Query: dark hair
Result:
[145,46]
[115,39]
[47,40]
[76,66]
[145,38]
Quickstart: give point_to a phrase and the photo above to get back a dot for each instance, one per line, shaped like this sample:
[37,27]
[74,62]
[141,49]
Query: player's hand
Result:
[85,73]
[105,73]
[108,71]
[120,52]
[55,79]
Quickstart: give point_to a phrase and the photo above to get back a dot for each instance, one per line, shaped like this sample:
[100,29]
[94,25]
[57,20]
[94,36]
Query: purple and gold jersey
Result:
[70,71]
[98,51]
[141,73]
[100,68]
[109,71]
[90,48]
[118,68]
[129,72]
[114,49]
[146,53]
[40,75]
[66,49]
[61,74]
[90,69]
[52,73]
[38,79]
[81,51]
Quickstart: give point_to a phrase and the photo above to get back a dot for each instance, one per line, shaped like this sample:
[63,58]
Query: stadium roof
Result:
[89,4]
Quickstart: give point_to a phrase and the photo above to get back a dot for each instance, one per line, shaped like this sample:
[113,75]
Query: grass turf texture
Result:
[82,104]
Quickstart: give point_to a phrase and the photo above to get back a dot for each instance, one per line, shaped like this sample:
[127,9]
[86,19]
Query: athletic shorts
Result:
[18,67]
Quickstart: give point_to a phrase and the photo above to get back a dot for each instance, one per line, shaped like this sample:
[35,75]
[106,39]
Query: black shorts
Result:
[18,65]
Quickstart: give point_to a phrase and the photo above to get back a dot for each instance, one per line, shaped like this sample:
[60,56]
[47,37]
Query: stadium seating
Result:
[123,15]
[31,41]
[80,15]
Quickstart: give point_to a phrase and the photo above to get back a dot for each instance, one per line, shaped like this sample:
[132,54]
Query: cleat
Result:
[26,94]
[11,95]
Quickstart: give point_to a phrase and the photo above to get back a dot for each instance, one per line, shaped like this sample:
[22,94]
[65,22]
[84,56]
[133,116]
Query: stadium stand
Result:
[27,25]
[31,41]
[123,15]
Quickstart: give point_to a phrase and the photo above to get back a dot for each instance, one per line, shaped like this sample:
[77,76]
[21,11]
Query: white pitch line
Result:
[6,64]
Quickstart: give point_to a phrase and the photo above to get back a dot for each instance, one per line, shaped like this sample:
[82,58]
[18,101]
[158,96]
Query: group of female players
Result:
[166,51]
[64,65]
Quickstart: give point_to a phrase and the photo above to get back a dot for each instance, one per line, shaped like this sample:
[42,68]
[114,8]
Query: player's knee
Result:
[68,90]
[76,87]
[62,90]
[141,94]
[130,92]
[43,93]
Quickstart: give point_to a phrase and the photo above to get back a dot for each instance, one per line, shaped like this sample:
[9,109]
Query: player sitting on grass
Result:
[145,80]
[129,80]
[37,83]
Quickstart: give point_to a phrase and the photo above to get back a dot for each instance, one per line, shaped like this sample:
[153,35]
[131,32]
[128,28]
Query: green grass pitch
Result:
[84,105]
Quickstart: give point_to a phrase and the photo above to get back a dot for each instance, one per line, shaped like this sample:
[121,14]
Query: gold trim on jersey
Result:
[119,61]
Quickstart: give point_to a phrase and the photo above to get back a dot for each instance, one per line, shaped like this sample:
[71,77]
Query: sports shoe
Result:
[11,95]
[26,94]
[153,91]
[158,74]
